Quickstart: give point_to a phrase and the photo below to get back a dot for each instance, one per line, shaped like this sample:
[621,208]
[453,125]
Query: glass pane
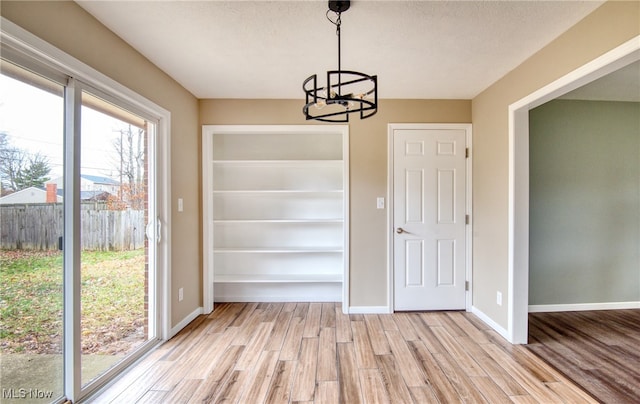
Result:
[31,207]
[115,256]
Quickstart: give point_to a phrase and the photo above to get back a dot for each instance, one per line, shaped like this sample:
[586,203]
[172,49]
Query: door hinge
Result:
[466,219]
[466,152]
[466,286]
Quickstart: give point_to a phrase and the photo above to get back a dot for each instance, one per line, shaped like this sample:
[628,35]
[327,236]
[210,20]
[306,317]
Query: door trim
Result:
[467,127]
[207,203]
[518,214]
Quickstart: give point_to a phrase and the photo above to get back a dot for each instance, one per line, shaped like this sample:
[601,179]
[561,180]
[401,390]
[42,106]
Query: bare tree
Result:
[10,162]
[130,165]
[20,169]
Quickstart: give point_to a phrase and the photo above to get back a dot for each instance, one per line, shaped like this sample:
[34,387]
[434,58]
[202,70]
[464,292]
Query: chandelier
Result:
[346,91]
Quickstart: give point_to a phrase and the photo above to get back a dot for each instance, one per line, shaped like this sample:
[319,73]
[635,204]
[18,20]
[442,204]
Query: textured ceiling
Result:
[264,49]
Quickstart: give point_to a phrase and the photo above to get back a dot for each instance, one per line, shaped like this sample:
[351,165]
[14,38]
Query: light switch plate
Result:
[380,202]
[180,205]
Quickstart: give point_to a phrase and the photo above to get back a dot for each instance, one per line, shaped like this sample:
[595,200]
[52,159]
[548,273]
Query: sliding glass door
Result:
[31,215]
[117,261]
[80,274]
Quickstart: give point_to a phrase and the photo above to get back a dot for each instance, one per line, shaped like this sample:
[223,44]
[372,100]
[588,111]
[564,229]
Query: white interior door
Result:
[429,209]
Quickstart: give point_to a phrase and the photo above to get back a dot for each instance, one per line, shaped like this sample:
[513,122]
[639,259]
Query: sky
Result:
[33,118]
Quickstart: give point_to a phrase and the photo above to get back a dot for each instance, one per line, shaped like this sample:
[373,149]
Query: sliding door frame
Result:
[35,54]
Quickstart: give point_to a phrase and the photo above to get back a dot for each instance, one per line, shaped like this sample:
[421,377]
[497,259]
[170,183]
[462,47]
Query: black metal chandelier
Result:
[346,91]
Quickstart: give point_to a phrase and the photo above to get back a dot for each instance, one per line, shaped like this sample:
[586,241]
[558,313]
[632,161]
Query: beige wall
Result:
[368,171]
[606,28]
[68,27]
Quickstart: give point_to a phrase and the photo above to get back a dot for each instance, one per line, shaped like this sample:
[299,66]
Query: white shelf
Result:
[269,143]
[288,163]
[278,205]
[257,221]
[284,250]
[276,191]
[296,278]
[278,176]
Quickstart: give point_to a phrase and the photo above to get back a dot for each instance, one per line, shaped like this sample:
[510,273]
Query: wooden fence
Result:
[38,227]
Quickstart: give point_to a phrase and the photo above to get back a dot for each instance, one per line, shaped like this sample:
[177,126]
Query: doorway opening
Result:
[621,56]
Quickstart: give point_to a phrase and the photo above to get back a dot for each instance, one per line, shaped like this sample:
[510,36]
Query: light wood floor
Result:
[599,350]
[312,353]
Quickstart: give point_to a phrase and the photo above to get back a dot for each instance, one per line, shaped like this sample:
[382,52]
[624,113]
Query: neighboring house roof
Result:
[37,195]
[96,179]
[88,195]
[27,195]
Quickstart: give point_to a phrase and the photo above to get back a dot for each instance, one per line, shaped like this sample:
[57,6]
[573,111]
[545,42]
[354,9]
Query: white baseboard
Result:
[547,308]
[489,321]
[184,322]
[369,310]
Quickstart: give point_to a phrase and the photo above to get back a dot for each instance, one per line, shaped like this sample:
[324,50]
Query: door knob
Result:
[399,230]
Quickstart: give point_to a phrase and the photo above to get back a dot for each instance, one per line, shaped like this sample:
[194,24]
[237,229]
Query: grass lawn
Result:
[31,301]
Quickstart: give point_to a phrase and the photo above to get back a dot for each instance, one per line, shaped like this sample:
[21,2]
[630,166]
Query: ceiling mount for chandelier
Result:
[346,91]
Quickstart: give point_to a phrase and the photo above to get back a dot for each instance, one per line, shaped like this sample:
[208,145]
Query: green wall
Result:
[584,202]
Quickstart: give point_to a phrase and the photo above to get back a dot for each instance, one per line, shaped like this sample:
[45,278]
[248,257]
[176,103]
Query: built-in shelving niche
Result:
[275,212]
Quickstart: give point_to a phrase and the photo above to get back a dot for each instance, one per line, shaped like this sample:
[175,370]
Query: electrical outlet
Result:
[499,298]
[180,294]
